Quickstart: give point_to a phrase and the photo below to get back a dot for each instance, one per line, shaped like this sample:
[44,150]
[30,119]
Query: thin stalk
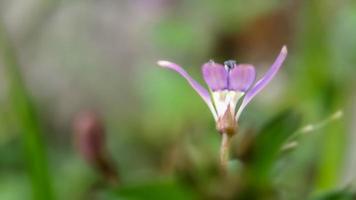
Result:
[224,151]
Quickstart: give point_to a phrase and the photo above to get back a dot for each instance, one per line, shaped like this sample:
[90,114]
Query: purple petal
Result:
[241,77]
[204,93]
[264,80]
[215,76]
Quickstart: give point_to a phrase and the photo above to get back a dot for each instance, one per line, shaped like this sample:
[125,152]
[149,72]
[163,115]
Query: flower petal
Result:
[215,76]
[241,77]
[204,93]
[264,80]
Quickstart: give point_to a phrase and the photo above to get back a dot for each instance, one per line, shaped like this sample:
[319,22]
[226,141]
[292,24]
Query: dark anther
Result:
[229,64]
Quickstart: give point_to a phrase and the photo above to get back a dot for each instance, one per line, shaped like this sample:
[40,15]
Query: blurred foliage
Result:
[266,149]
[58,58]
[27,122]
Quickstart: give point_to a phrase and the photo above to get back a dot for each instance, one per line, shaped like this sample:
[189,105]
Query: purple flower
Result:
[227,85]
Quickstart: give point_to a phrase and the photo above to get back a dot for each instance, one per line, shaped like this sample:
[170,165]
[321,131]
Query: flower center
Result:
[229,64]
[224,100]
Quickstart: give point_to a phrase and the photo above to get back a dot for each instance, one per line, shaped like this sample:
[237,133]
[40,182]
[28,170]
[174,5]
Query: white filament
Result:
[225,98]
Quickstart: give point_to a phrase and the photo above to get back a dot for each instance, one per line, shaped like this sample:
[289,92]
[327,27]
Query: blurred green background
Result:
[59,58]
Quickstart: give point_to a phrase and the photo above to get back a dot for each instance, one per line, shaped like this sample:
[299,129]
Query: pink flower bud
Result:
[89,135]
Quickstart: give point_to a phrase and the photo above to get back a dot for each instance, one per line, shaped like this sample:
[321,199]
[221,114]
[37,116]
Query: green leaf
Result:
[162,189]
[269,142]
[28,123]
[335,195]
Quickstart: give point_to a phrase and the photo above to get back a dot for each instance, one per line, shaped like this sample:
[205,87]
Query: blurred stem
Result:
[27,121]
[224,151]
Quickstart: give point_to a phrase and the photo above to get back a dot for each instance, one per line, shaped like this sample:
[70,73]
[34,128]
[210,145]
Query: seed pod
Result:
[227,124]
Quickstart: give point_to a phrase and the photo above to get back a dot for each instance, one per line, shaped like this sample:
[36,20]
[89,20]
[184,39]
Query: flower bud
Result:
[89,135]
